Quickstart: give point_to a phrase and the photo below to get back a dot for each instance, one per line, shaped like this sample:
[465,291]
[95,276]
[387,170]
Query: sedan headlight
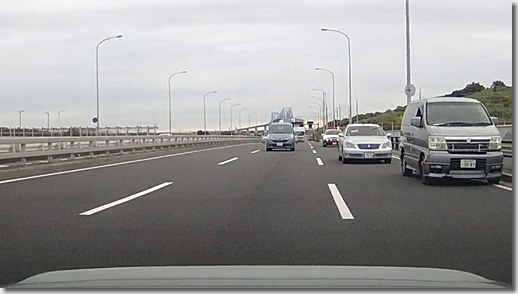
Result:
[437,143]
[349,145]
[495,143]
[386,145]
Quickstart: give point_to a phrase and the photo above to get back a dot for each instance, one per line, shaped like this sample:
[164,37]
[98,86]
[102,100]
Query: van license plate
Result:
[279,144]
[369,155]
[468,163]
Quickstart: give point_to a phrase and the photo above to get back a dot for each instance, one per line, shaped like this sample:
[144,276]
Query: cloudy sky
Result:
[261,54]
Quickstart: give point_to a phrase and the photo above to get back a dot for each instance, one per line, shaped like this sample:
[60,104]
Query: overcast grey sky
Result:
[261,54]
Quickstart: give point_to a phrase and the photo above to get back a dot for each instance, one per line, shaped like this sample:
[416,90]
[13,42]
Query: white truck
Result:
[300,134]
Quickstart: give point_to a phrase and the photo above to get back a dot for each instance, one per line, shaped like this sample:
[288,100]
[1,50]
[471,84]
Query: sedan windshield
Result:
[365,131]
[332,132]
[281,129]
[457,114]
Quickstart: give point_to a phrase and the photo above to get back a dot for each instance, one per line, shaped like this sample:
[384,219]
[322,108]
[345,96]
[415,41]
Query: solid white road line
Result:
[126,199]
[314,151]
[340,203]
[395,157]
[319,161]
[116,164]
[227,161]
[255,151]
[503,187]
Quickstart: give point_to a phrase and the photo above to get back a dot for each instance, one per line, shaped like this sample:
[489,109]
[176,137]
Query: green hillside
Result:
[498,99]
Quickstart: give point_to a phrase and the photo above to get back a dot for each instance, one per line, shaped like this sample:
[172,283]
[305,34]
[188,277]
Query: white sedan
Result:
[364,142]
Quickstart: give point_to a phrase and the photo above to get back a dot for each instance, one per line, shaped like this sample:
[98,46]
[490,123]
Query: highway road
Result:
[237,205]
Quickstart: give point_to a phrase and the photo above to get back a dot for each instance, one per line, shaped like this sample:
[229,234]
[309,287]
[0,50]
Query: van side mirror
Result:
[341,135]
[416,121]
[495,120]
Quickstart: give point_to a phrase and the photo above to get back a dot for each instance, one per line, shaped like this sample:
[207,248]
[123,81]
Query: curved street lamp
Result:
[333,76]
[324,103]
[319,109]
[48,119]
[205,112]
[249,115]
[176,73]
[97,77]
[237,104]
[228,99]
[349,51]
[240,115]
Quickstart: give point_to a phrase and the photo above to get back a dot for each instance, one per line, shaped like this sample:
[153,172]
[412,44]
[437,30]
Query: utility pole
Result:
[409,88]
[357,111]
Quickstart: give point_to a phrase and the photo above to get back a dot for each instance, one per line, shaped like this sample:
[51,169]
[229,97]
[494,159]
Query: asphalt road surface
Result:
[238,206]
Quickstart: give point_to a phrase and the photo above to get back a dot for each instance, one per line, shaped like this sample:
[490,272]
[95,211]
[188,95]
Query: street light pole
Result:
[408,90]
[318,111]
[249,124]
[240,115]
[319,108]
[333,76]
[97,76]
[176,73]
[349,50]
[322,108]
[232,131]
[59,116]
[228,99]
[48,119]
[205,111]
[20,115]
[324,103]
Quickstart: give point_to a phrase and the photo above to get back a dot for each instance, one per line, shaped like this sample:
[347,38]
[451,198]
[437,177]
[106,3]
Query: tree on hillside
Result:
[469,89]
[497,83]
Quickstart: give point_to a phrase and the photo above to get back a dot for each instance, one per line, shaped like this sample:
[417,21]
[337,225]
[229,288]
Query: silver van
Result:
[450,137]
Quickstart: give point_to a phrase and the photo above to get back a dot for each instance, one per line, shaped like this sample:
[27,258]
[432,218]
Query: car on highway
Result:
[300,134]
[364,142]
[450,137]
[264,137]
[280,136]
[331,137]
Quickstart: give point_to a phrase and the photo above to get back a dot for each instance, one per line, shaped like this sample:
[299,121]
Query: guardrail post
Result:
[23,148]
[91,144]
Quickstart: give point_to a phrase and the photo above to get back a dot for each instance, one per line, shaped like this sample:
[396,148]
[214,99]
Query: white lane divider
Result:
[310,146]
[227,161]
[255,151]
[503,187]
[118,163]
[314,151]
[395,157]
[319,161]
[126,199]
[340,203]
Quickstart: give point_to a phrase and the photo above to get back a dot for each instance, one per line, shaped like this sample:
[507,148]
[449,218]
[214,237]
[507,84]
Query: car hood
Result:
[279,136]
[367,139]
[456,131]
[257,277]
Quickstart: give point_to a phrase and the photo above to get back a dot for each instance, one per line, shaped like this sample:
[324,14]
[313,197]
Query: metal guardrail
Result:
[47,148]
[78,131]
